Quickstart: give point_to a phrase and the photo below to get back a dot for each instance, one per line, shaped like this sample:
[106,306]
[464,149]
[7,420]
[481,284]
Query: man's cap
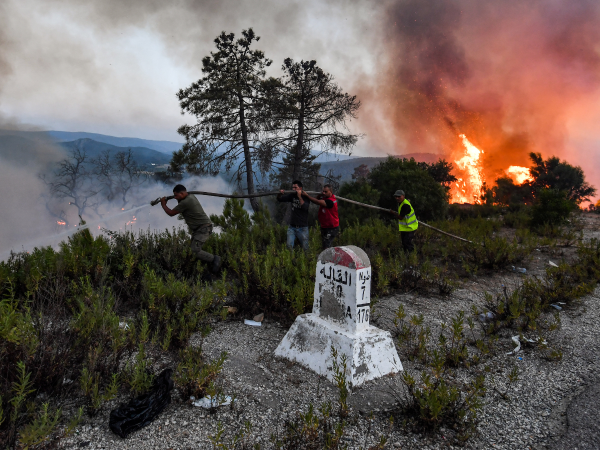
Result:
[399,193]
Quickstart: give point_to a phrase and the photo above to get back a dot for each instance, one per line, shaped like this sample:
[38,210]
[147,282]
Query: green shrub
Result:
[551,207]
[360,191]
[519,218]
[193,374]
[432,402]
[462,212]
[427,196]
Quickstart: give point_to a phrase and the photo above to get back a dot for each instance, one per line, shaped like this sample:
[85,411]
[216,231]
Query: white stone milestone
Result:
[340,318]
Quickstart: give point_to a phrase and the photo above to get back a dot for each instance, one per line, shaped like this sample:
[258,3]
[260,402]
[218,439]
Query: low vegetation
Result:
[99,316]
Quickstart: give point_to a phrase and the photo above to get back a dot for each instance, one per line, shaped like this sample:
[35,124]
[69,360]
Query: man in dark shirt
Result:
[298,227]
[328,215]
[198,222]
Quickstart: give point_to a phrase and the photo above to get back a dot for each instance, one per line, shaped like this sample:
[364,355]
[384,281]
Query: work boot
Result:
[216,264]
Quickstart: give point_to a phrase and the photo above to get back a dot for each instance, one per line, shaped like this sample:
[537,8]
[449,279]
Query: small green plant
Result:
[512,378]
[140,377]
[194,375]
[90,386]
[412,334]
[432,402]
[339,378]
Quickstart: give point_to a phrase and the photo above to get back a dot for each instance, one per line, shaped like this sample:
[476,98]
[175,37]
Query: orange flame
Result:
[519,174]
[61,222]
[468,189]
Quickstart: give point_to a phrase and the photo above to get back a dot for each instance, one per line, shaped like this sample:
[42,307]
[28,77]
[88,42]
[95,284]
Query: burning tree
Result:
[551,174]
[228,111]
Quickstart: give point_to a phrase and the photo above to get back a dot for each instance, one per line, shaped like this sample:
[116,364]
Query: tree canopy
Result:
[248,123]
[428,197]
[229,113]
[308,112]
[560,176]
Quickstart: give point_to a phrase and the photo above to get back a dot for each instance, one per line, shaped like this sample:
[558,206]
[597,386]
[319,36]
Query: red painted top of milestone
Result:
[347,256]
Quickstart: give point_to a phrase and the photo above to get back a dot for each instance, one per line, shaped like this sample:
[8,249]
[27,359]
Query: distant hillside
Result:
[167,147]
[346,168]
[67,136]
[142,155]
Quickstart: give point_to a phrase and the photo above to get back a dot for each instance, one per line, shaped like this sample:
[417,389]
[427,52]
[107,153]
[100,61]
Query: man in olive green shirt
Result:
[197,221]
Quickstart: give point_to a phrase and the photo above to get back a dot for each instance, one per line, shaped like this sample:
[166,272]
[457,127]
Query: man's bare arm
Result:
[169,211]
[316,201]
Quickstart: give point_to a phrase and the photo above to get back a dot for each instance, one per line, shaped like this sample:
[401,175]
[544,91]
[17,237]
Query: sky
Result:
[514,76]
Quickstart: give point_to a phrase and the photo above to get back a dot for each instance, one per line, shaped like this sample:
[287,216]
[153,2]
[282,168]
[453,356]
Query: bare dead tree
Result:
[104,171]
[73,180]
[128,174]
[117,175]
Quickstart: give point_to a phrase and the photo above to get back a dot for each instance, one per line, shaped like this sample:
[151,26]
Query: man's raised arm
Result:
[314,200]
[169,211]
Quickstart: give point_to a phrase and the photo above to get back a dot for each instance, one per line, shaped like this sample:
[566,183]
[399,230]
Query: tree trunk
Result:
[297,164]
[247,157]
[297,171]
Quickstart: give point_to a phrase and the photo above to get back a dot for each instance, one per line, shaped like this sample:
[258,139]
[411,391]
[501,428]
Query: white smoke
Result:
[31,225]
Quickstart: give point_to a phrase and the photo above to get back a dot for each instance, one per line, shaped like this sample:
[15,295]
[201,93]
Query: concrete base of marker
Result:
[370,354]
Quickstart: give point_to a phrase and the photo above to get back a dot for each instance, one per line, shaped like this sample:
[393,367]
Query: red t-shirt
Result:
[328,215]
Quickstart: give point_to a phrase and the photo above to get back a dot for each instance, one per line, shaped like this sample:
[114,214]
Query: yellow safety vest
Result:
[410,222]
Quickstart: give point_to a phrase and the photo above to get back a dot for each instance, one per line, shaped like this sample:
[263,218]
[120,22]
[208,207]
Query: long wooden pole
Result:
[265,194]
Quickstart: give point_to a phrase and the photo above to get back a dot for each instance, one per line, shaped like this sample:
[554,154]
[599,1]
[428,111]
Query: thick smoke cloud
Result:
[508,74]
[114,67]
[24,215]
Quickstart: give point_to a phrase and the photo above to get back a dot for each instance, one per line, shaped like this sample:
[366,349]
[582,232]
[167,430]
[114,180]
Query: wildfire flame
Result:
[468,189]
[519,174]
[61,222]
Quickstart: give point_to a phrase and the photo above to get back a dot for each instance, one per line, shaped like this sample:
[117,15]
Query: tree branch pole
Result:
[265,194]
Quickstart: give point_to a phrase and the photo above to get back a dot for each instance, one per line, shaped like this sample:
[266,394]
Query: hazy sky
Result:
[516,76]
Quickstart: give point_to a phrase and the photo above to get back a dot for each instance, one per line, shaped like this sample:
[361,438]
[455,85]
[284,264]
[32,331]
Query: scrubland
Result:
[88,326]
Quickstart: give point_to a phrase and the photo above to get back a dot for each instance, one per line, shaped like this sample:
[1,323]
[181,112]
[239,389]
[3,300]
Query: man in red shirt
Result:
[328,215]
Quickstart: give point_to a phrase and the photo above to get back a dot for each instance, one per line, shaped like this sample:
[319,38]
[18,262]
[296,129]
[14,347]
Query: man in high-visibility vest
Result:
[407,221]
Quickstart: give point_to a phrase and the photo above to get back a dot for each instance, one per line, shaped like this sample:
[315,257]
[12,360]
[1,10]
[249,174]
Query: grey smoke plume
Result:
[24,215]
[93,66]
[112,66]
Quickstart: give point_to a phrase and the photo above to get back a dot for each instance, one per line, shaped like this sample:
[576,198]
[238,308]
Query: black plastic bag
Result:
[142,410]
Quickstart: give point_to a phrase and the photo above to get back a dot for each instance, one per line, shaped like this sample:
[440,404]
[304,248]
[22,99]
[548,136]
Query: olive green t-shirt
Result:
[192,212]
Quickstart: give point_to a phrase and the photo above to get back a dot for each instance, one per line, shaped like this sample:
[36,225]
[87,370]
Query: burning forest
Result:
[485,85]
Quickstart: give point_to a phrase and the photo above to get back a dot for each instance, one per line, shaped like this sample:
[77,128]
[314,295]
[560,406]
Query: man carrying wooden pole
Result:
[407,221]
